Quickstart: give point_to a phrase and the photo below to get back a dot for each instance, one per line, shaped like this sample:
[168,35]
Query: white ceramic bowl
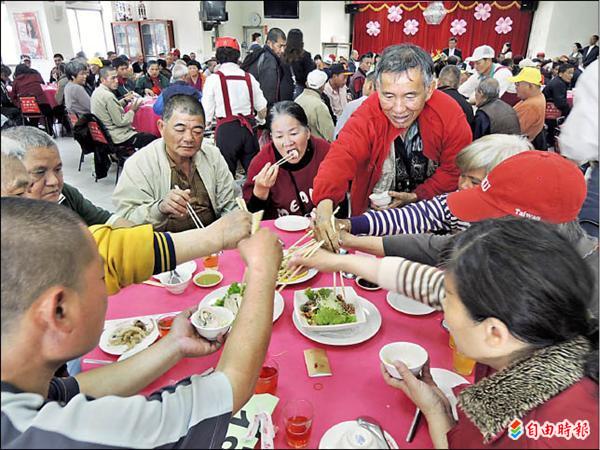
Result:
[413,355]
[224,315]
[208,272]
[380,199]
[177,288]
[352,298]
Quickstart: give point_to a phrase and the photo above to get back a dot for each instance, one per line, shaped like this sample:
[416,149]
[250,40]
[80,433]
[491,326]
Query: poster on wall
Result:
[29,34]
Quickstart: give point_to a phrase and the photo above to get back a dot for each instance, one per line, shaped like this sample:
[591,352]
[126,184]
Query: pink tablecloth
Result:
[49,93]
[356,387]
[145,119]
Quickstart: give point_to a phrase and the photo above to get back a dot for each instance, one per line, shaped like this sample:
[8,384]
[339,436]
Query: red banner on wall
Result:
[30,37]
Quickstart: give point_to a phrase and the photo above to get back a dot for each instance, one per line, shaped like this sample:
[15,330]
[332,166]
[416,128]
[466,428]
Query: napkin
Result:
[240,424]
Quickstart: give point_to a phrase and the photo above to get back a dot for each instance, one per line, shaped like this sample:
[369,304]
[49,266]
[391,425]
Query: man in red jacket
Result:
[408,125]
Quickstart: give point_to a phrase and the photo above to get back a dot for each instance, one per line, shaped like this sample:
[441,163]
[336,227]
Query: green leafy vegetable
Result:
[220,302]
[328,316]
[310,294]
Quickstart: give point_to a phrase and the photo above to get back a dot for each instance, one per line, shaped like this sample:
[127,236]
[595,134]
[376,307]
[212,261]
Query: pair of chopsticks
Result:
[341,283]
[305,253]
[192,213]
[413,426]
[256,217]
[283,160]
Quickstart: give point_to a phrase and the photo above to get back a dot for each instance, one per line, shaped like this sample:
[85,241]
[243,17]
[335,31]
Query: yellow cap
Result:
[95,61]
[530,75]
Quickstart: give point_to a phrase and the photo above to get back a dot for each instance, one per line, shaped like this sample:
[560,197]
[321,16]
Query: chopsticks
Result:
[153,283]
[413,426]
[192,213]
[305,253]
[283,160]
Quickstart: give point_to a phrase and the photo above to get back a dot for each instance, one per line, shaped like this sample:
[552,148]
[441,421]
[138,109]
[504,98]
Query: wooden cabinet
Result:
[149,37]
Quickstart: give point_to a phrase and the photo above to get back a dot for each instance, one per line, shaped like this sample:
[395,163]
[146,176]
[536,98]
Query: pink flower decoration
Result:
[458,27]
[373,28]
[411,27]
[395,14]
[503,25]
[483,11]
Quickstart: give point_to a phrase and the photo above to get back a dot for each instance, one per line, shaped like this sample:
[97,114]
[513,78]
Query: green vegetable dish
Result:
[325,308]
[233,298]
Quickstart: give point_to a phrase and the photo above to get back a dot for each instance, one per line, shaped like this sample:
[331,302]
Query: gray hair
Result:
[50,249]
[186,104]
[572,231]
[401,58]
[449,76]
[179,72]
[12,148]
[489,151]
[30,137]
[489,88]
[73,68]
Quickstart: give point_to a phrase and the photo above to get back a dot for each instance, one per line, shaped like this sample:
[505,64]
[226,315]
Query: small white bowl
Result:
[223,314]
[176,288]
[413,355]
[208,272]
[380,199]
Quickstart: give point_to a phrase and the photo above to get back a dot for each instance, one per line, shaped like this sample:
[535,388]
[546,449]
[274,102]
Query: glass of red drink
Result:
[267,379]
[298,417]
[164,324]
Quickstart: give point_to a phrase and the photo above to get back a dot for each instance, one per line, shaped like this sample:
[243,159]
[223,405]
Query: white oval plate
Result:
[333,437]
[185,268]
[310,274]
[292,223]
[407,305]
[346,337]
[215,295]
[446,380]
[120,349]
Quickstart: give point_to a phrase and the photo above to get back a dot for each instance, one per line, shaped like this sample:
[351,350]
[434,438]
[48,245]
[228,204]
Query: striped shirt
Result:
[426,216]
[195,413]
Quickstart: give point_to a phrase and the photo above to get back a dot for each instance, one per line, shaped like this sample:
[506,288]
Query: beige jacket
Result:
[146,179]
[319,119]
[110,111]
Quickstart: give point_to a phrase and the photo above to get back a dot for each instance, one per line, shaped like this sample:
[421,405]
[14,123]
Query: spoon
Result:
[175,278]
[370,424]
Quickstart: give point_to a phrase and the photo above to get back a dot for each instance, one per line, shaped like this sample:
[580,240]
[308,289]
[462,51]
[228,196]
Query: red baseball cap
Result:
[533,184]
[227,42]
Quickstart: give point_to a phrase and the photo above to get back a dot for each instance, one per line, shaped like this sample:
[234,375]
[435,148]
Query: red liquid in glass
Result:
[164,326]
[297,431]
[267,381]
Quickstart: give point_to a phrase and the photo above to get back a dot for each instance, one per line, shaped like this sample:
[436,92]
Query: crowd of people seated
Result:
[460,147]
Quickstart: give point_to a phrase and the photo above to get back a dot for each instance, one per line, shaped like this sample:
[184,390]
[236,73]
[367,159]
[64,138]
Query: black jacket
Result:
[589,55]
[302,68]
[274,77]
[556,92]
[462,101]
[457,52]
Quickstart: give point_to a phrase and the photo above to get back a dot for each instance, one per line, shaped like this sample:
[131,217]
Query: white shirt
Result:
[239,97]
[451,51]
[501,74]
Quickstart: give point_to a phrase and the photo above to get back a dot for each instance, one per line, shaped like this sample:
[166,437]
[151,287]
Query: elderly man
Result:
[420,130]
[531,110]
[93,79]
[124,77]
[179,171]
[109,110]
[483,60]
[493,115]
[178,85]
[358,79]
[43,163]
[15,181]
[368,88]
[139,66]
[51,316]
[335,88]
[319,119]
[448,83]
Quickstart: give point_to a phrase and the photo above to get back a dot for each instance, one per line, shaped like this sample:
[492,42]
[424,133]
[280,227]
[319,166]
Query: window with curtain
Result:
[87,31]
[10,47]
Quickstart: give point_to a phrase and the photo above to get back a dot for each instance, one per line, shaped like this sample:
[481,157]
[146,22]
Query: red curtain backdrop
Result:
[435,37]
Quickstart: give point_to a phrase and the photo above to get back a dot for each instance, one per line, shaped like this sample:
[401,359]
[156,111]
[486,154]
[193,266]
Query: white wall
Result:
[557,25]
[335,24]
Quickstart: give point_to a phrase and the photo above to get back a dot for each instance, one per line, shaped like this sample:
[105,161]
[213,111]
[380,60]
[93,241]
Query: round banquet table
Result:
[49,93]
[356,387]
[145,119]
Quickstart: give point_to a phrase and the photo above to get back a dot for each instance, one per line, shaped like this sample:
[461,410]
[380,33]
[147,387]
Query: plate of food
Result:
[292,223]
[128,334]
[231,296]
[407,305]
[357,333]
[284,275]
[328,309]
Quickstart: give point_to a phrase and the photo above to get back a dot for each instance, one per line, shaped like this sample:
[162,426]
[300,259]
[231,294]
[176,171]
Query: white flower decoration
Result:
[483,11]
[394,14]
[458,27]
[503,25]
[411,27]
[373,28]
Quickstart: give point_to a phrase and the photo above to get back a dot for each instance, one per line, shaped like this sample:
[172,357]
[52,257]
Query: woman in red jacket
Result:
[285,189]
[28,83]
[516,300]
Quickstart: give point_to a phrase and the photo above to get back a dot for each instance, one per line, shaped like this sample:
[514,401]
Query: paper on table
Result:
[317,363]
[241,422]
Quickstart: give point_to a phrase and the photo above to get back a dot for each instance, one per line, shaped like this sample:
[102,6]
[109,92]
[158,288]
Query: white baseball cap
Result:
[527,63]
[316,79]
[481,52]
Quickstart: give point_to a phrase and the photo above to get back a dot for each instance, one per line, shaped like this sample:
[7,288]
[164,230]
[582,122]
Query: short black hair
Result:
[275,34]
[562,68]
[227,55]
[186,104]
[110,52]
[363,57]
[317,56]
[119,62]
[255,35]
[288,108]
[5,70]
[58,55]
[193,62]
[453,39]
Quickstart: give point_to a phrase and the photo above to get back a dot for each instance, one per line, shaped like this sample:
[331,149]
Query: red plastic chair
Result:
[118,153]
[31,110]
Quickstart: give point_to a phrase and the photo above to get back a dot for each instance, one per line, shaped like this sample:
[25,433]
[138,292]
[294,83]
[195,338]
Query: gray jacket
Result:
[110,111]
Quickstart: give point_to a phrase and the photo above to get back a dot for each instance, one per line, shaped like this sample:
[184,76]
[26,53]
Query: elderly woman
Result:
[280,177]
[153,82]
[493,115]
[77,100]
[428,216]
[28,83]
[194,77]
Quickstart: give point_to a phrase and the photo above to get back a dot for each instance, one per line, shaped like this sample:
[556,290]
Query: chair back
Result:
[96,133]
[29,105]
[72,118]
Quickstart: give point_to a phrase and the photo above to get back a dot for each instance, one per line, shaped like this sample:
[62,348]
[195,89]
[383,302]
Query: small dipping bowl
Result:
[224,315]
[366,285]
[208,278]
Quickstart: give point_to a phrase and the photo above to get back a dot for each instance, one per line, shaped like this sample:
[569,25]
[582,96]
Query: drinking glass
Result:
[267,380]
[462,364]
[211,261]
[298,417]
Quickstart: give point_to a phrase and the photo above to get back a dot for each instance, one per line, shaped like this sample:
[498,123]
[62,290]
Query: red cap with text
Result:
[227,42]
[534,185]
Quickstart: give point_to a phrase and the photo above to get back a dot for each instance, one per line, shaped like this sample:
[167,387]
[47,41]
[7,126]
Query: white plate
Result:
[215,295]
[333,437]
[182,269]
[310,274]
[120,349]
[292,223]
[346,337]
[407,305]
[446,380]
[351,298]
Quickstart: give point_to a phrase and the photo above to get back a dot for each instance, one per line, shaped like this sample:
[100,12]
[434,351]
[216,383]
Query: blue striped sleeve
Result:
[164,253]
